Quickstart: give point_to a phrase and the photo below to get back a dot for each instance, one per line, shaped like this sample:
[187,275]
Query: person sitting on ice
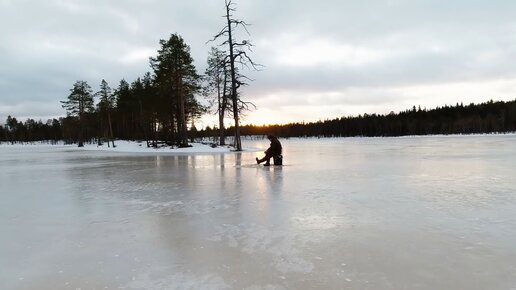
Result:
[274,152]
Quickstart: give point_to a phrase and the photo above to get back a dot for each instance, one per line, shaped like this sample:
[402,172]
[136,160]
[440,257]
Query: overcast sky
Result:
[323,59]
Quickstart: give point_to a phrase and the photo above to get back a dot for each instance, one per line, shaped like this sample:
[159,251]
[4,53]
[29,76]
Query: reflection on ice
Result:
[366,213]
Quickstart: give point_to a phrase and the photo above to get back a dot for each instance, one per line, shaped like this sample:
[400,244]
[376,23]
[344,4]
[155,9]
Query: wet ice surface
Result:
[353,213]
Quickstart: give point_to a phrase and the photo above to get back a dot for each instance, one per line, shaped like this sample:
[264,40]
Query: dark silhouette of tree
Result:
[237,54]
[79,103]
[11,128]
[105,107]
[217,78]
[126,109]
[54,130]
[148,105]
[177,80]
[3,133]
[137,93]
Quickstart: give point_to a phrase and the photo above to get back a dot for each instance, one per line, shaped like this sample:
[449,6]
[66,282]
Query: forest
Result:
[159,107]
[488,117]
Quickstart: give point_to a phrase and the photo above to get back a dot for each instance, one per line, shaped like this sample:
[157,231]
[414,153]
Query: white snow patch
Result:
[123,146]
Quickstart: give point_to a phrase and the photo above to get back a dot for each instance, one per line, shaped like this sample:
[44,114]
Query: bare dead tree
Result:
[216,89]
[237,54]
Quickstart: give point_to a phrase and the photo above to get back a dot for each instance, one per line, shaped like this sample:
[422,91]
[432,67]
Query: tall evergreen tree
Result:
[80,102]
[105,107]
[11,126]
[149,103]
[176,76]
[126,110]
[138,91]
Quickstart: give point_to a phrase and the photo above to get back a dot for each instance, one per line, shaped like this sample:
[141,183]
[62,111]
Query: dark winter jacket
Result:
[275,148]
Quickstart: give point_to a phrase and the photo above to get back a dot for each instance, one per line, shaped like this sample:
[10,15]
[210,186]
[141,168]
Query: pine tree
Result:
[105,107]
[80,102]
[177,80]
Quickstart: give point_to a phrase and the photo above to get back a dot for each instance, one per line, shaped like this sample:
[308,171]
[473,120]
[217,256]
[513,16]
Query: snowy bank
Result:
[123,146]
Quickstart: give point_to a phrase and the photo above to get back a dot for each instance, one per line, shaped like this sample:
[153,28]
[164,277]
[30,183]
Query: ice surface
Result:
[347,213]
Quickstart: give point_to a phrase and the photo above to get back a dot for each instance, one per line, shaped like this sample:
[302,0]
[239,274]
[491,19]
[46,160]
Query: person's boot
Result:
[257,160]
[267,164]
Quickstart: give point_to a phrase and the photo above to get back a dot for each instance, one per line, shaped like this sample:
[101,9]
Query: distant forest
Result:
[488,117]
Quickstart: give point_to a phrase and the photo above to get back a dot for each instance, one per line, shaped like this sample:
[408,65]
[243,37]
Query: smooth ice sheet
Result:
[347,213]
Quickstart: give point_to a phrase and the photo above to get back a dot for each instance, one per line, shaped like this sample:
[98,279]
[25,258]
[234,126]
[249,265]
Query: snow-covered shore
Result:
[123,146]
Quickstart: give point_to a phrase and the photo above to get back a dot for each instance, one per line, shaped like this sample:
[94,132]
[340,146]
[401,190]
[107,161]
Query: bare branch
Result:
[224,31]
[243,24]
[243,59]
[246,105]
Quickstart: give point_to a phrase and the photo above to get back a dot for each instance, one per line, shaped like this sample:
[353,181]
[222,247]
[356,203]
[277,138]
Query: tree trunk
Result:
[101,130]
[81,130]
[183,138]
[142,122]
[155,130]
[238,143]
[222,111]
[110,130]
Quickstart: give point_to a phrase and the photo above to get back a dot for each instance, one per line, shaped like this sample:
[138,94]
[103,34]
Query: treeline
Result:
[15,131]
[488,117]
[154,107]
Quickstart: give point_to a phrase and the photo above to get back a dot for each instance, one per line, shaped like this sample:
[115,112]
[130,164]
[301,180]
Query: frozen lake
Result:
[350,213]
